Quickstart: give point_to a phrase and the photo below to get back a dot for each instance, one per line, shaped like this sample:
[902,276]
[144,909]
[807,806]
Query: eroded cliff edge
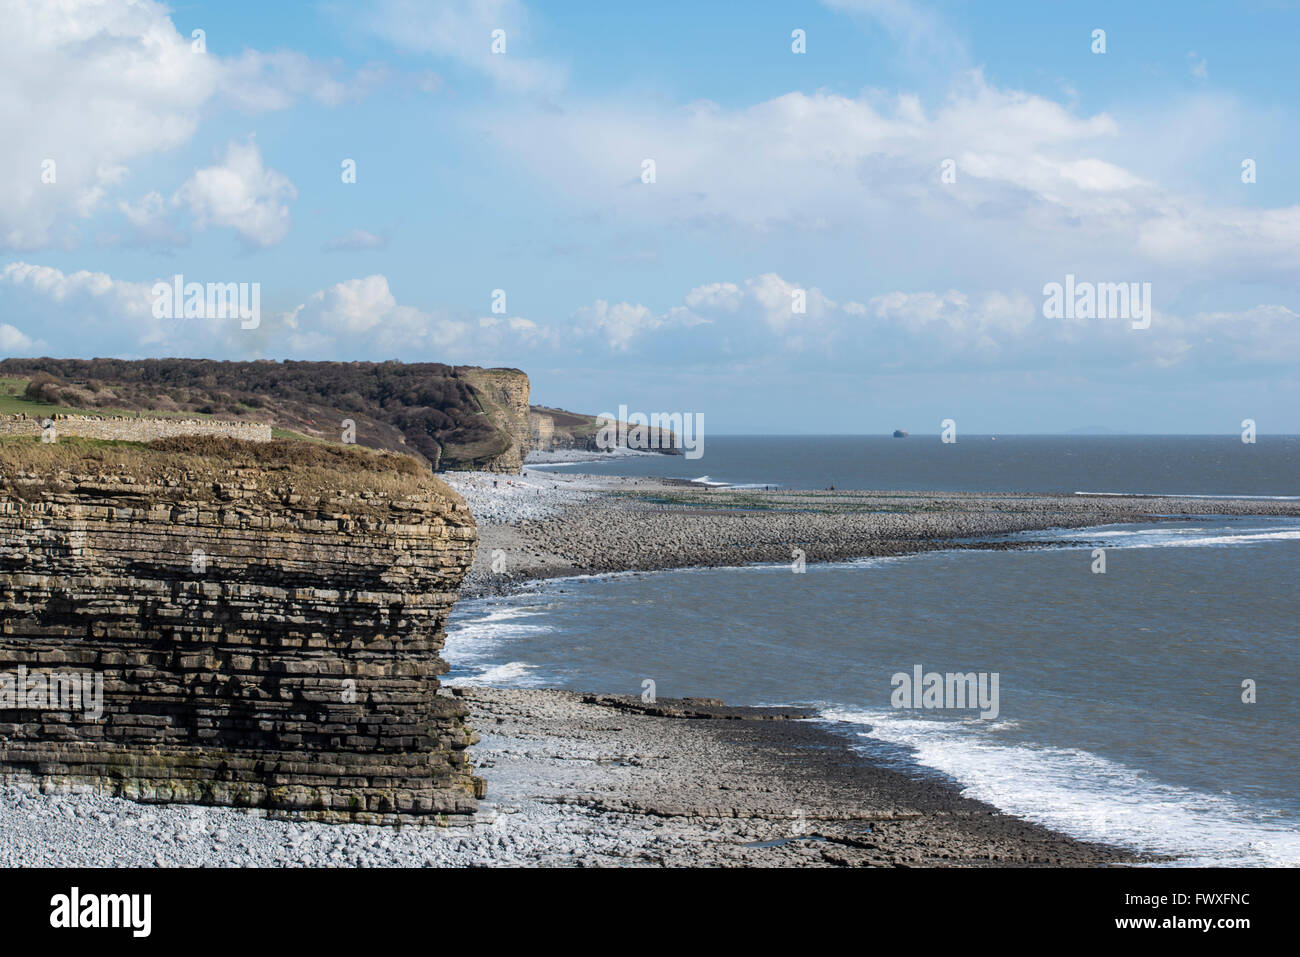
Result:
[267,621]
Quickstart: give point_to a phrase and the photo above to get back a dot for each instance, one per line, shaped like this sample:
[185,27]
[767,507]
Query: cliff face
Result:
[505,394]
[554,430]
[266,624]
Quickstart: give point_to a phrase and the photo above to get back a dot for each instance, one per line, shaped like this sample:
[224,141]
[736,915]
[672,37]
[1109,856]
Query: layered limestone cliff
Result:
[505,395]
[267,622]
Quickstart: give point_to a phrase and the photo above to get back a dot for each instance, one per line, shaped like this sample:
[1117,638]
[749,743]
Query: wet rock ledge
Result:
[267,621]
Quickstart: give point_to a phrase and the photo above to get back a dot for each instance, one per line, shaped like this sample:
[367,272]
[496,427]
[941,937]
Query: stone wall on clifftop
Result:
[267,621]
[124,428]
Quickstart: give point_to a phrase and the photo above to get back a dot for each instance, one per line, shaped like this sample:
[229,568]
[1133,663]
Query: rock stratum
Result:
[267,621]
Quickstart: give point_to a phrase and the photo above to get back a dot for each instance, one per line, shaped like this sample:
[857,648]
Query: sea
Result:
[1155,704]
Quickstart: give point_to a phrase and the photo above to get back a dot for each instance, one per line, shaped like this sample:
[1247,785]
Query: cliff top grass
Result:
[14,401]
[444,413]
[312,470]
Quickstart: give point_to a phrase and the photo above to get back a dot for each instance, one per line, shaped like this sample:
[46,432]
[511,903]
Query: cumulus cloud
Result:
[91,87]
[92,313]
[88,87]
[128,300]
[721,326]
[1031,175]
[241,193]
[363,316]
[619,323]
[734,318]
[819,157]
[87,314]
[14,342]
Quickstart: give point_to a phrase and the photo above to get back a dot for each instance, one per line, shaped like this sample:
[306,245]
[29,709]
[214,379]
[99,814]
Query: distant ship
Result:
[899,434]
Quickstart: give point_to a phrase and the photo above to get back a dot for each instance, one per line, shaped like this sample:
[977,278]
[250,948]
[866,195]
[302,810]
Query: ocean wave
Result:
[512,674]
[479,630]
[1198,536]
[1087,796]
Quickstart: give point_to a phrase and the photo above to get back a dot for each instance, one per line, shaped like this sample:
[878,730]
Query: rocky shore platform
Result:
[591,780]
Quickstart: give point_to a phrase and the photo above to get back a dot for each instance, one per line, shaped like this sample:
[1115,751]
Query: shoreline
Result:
[541,525]
[580,779]
[633,525]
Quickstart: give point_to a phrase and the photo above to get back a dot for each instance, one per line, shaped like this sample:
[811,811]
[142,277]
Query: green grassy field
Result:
[14,401]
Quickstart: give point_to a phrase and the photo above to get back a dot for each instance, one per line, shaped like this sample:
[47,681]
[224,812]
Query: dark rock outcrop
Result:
[266,619]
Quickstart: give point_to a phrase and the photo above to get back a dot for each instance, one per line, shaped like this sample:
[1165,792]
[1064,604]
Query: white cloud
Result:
[618,323]
[128,300]
[817,159]
[356,239]
[461,30]
[719,326]
[149,223]
[89,86]
[724,296]
[242,194]
[85,314]
[725,323]
[356,305]
[1032,176]
[362,316]
[776,300]
[258,82]
[15,342]
[94,86]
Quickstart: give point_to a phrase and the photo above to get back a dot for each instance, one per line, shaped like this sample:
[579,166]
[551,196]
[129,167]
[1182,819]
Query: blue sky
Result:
[778,175]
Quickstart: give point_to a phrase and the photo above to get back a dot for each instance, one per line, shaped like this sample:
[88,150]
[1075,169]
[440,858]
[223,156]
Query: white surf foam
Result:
[1087,796]
[512,674]
[476,634]
[1182,536]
